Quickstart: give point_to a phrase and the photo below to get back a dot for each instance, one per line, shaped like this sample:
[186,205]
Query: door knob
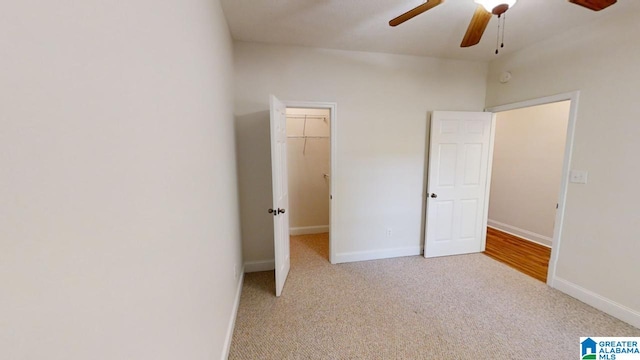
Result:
[276,212]
[434,195]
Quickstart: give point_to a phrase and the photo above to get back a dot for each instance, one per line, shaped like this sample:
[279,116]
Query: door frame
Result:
[573,97]
[333,139]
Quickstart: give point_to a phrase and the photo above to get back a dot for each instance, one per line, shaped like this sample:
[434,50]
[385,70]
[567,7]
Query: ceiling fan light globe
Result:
[489,5]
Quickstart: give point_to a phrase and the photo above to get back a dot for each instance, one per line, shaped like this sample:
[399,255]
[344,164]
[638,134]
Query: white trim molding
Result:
[257,266]
[234,315]
[307,230]
[521,233]
[377,254]
[599,302]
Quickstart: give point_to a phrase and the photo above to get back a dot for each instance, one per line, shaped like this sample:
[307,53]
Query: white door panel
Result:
[280,191]
[456,190]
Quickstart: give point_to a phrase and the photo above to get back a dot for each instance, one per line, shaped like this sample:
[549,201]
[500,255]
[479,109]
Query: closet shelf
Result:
[304,129]
[306,137]
[305,117]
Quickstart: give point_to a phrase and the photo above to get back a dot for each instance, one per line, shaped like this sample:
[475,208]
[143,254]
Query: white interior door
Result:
[280,191]
[457,182]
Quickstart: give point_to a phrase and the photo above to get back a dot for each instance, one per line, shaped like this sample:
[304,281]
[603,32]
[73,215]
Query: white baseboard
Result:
[376,254]
[232,320]
[309,230]
[597,301]
[256,266]
[521,233]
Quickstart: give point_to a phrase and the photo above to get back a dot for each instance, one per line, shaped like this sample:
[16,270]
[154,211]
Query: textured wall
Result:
[119,225]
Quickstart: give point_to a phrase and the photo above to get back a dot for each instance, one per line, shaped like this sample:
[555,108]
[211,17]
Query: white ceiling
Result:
[362,25]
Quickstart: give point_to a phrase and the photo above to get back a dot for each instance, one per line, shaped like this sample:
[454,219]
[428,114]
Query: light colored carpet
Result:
[458,307]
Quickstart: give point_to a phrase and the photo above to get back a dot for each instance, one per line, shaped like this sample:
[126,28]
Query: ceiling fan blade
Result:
[595,5]
[415,12]
[478,23]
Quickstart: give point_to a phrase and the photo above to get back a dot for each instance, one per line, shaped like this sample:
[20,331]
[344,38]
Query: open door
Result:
[457,182]
[280,191]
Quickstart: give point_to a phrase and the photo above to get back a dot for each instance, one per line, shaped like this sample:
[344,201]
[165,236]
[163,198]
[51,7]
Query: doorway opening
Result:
[528,153]
[280,178]
[531,155]
[309,182]
[312,160]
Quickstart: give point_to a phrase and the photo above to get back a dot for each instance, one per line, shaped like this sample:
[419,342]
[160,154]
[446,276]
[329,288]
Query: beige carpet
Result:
[458,307]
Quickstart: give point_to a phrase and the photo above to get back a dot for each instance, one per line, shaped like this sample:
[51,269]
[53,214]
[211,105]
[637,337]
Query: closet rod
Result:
[306,117]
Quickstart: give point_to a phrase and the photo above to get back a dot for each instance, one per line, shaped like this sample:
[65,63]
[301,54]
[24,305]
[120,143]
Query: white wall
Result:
[599,251]
[119,226]
[383,104]
[307,162]
[527,170]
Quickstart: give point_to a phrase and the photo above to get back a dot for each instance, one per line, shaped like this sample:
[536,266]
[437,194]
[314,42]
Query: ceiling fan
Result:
[483,13]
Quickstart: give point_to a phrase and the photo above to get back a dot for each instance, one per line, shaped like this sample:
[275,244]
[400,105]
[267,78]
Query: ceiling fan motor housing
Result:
[500,9]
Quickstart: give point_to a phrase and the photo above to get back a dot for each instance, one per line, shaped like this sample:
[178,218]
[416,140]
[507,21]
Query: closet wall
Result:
[309,164]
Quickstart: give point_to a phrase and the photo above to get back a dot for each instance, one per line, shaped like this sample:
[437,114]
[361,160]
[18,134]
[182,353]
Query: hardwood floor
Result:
[522,255]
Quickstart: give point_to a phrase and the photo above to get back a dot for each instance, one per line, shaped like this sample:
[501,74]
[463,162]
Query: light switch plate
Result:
[578,176]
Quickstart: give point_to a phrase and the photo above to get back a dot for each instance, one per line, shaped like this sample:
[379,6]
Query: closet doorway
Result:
[309,165]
